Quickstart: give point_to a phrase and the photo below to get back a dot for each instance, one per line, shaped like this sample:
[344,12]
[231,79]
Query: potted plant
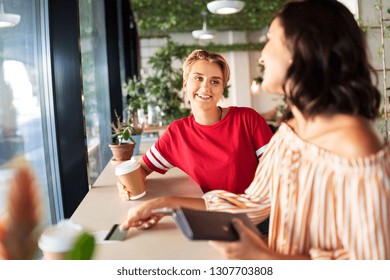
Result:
[123,146]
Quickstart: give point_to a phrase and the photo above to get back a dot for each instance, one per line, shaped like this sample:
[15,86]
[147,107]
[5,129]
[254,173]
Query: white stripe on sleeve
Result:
[260,151]
[153,154]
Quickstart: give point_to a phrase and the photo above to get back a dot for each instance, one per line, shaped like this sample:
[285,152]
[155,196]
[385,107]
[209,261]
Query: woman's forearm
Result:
[186,202]
[146,170]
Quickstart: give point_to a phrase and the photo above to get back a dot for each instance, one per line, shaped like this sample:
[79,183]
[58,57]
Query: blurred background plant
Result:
[135,91]
[122,130]
[19,225]
[83,248]
[383,123]
[161,89]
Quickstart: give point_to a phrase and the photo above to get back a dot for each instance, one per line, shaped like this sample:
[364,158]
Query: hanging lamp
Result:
[203,34]
[6,19]
[225,7]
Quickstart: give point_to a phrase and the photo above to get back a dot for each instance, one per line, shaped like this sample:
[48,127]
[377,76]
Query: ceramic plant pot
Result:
[122,152]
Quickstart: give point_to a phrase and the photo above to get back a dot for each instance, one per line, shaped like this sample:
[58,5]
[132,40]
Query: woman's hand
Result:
[141,216]
[249,246]
[123,193]
[145,171]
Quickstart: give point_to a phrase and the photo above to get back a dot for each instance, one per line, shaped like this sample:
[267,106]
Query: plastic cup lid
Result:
[137,196]
[126,167]
[60,237]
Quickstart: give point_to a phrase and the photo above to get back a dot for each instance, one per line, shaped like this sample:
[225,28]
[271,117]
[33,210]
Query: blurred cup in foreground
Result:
[56,241]
[130,175]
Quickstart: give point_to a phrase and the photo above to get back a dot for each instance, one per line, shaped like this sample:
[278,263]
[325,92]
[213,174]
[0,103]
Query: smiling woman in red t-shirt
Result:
[218,147]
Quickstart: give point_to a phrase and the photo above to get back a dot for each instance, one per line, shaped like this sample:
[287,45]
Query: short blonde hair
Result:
[212,57]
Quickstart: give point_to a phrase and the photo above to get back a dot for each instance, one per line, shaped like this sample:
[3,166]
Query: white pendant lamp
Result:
[203,34]
[7,20]
[225,7]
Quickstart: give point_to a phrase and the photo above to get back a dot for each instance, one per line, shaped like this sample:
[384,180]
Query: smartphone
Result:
[116,234]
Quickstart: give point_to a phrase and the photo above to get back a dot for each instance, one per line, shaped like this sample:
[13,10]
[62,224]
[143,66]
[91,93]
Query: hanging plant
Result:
[155,18]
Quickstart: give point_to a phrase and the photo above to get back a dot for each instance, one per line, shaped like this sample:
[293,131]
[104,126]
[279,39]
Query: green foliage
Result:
[83,248]
[122,131]
[135,89]
[388,26]
[259,79]
[155,18]
[187,49]
[162,88]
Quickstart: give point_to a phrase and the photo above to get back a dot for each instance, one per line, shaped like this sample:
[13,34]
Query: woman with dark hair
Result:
[325,178]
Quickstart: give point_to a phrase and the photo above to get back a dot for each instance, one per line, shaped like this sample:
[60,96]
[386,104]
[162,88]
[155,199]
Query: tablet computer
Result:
[209,225]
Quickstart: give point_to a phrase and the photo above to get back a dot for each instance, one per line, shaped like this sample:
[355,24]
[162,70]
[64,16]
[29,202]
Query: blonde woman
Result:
[218,147]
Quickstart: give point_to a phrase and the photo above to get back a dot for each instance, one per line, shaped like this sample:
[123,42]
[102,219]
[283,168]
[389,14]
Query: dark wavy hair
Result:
[330,72]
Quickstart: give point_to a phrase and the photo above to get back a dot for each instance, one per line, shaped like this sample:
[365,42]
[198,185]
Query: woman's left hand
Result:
[249,246]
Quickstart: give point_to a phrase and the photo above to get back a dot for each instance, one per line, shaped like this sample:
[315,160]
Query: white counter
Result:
[102,207]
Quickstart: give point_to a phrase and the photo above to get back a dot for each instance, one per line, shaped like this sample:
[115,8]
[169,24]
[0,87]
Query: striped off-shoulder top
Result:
[319,204]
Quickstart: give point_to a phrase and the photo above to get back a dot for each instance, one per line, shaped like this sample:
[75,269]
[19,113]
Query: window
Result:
[25,104]
[95,85]
[53,110]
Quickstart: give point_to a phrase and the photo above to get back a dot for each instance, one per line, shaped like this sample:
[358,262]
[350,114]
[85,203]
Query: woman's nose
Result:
[204,85]
[261,60]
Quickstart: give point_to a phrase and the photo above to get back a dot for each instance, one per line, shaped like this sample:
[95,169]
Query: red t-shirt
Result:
[223,156]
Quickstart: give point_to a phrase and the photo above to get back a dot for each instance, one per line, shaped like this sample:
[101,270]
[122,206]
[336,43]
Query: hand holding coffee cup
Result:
[131,179]
[123,193]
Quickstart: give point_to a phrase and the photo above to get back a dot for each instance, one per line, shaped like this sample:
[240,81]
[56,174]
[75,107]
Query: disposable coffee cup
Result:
[56,241]
[130,175]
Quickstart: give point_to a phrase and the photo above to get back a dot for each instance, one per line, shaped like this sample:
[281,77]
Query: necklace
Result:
[220,112]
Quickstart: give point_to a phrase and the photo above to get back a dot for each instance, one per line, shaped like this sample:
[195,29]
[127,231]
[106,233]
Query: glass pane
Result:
[22,98]
[95,84]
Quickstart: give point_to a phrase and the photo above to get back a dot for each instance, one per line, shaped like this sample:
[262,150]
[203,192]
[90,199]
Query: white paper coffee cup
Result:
[130,175]
[56,241]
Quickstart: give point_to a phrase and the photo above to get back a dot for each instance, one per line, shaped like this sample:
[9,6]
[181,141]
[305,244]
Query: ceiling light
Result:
[203,34]
[7,20]
[225,7]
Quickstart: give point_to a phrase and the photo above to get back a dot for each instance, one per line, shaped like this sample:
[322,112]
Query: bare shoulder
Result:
[344,135]
[358,138]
